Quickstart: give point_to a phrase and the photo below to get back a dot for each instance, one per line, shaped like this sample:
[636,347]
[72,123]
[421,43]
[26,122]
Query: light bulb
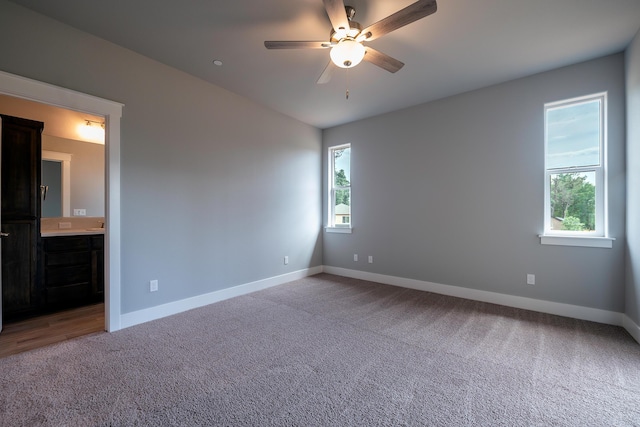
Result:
[347,53]
[91,132]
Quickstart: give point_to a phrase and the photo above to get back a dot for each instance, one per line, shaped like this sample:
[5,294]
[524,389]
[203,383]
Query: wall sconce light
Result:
[91,122]
[92,131]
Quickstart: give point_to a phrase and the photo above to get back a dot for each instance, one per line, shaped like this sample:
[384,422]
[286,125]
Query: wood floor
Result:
[51,328]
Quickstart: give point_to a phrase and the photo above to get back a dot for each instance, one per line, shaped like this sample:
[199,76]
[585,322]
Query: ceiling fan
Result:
[347,37]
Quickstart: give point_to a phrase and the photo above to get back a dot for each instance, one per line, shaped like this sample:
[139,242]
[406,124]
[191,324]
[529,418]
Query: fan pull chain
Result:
[347,94]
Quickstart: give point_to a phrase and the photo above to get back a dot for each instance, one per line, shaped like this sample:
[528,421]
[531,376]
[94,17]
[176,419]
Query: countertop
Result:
[71,232]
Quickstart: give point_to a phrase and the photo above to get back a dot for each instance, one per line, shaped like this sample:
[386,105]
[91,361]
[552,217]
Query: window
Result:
[575,176]
[339,200]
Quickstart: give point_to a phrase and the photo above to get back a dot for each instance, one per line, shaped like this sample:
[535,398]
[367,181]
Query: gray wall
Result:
[87,172]
[632,308]
[216,190]
[451,192]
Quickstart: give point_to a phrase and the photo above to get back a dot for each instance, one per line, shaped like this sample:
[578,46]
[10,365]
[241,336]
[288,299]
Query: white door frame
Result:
[21,87]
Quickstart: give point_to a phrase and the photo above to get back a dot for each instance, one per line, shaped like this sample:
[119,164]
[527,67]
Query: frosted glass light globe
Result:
[347,53]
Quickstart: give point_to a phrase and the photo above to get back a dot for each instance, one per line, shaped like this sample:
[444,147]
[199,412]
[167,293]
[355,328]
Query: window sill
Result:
[343,230]
[584,241]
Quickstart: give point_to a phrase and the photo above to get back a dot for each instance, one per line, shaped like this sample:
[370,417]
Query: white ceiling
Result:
[465,45]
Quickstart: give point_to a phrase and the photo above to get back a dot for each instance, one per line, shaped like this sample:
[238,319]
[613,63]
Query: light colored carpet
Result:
[328,350]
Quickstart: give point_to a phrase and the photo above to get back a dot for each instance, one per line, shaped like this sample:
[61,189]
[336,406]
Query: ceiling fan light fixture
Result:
[347,53]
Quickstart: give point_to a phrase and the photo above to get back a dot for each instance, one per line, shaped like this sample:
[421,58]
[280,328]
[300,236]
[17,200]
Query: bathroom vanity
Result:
[72,268]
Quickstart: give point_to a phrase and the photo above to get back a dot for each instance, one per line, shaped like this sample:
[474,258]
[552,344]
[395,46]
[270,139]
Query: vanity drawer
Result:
[68,295]
[63,276]
[66,244]
[56,259]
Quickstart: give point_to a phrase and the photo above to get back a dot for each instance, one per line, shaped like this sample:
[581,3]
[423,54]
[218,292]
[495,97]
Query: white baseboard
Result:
[631,327]
[560,309]
[164,310]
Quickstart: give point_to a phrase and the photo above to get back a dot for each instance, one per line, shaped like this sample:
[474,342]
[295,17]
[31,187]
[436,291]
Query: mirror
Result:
[72,178]
[51,189]
[55,188]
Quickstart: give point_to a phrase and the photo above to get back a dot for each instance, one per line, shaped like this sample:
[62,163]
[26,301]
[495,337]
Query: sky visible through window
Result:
[344,162]
[573,135]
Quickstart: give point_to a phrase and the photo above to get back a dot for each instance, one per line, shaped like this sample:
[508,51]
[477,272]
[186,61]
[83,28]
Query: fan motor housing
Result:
[354,30]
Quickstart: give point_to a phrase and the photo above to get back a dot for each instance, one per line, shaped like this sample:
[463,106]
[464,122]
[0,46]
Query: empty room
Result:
[320,213]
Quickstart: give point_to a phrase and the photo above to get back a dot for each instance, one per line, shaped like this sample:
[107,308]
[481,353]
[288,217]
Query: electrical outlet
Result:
[286,260]
[79,212]
[355,257]
[531,279]
[153,285]
[370,259]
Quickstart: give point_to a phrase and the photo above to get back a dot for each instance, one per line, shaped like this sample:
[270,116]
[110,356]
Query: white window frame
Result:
[332,226]
[600,236]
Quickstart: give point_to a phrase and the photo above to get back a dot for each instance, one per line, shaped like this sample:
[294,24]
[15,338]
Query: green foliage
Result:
[342,196]
[340,179]
[573,196]
[572,223]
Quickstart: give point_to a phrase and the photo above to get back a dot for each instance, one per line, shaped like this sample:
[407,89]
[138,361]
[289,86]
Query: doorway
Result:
[63,275]
[24,88]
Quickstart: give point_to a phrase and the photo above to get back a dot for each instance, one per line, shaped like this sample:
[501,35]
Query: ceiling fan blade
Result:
[327,73]
[409,14]
[382,60]
[296,45]
[337,15]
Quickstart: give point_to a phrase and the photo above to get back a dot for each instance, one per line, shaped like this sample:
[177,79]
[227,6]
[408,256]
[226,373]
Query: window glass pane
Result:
[340,191]
[342,209]
[573,201]
[573,135]
[342,162]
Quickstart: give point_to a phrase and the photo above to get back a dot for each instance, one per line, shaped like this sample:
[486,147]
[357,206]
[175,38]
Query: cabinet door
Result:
[97,268]
[21,166]
[97,275]
[20,292]
[20,194]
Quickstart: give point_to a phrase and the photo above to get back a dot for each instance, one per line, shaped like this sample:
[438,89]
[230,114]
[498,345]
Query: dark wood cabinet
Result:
[97,268]
[21,163]
[73,270]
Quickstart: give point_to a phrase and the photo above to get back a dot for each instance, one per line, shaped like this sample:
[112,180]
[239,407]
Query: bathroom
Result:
[69,271]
